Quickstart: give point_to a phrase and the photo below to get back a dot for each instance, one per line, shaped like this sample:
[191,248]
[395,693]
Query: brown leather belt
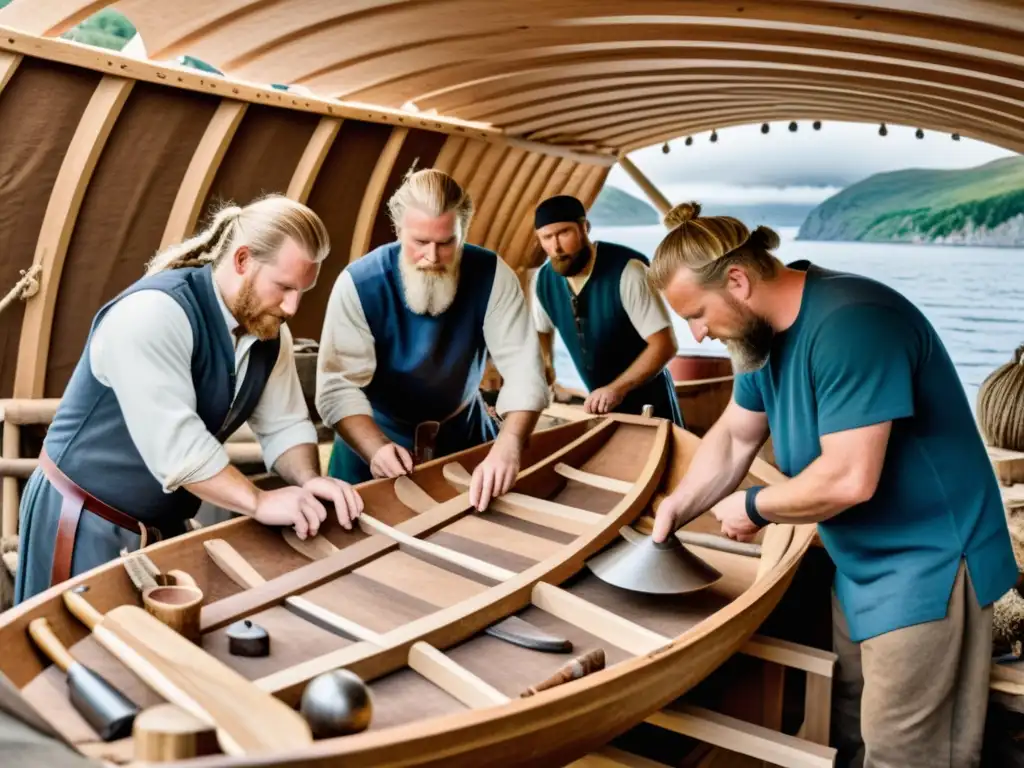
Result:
[76,499]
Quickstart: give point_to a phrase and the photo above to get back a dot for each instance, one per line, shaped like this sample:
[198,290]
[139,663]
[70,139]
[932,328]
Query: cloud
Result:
[754,166]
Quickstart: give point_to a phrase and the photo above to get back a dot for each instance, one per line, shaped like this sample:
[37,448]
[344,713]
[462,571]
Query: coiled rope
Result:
[1001,405]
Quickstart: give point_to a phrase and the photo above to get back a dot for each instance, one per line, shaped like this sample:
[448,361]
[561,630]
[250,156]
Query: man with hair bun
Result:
[617,331]
[869,420]
[405,343]
[174,365]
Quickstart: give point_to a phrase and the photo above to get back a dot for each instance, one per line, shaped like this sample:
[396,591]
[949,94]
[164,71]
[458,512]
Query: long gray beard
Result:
[428,293]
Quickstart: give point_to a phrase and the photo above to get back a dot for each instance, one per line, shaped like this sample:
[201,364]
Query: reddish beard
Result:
[246,309]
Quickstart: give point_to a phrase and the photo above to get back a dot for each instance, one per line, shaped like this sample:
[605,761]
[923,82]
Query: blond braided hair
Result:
[262,225]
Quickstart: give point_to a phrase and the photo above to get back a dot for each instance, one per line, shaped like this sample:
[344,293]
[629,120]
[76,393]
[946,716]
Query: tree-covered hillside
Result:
[976,206]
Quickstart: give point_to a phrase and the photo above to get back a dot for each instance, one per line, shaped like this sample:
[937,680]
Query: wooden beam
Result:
[74,176]
[8,65]
[202,170]
[374,193]
[452,678]
[596,481]
[744,738]
[660,202]
[312,159]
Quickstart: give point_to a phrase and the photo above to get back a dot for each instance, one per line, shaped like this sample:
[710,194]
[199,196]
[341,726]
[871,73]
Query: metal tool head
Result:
[109,713]
[638,564]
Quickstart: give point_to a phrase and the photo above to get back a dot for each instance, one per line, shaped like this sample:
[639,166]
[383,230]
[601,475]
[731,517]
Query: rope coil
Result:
[1001,404]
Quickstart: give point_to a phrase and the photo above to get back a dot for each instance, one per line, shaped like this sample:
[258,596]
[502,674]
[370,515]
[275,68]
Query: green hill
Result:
[615,208]
[976,206]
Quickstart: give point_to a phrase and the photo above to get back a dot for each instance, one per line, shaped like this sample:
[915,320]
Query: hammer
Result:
[109,713]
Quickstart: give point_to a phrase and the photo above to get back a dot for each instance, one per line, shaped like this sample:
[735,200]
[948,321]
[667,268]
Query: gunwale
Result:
[656,676]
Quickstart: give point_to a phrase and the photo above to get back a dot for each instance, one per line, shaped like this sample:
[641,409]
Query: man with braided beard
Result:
[173,366]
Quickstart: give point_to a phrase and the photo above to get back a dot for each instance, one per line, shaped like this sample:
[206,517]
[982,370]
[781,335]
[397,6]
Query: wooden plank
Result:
[478,528]
[793,655]
[453,678]
[598,621]
[8,65]
[589,478]
[743,737]
[202,170]
[374,193]
[58,223]
[312,159]
[10,452]
[414,497]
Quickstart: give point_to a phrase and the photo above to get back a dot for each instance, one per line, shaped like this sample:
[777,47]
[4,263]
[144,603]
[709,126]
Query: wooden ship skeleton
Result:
[108,156]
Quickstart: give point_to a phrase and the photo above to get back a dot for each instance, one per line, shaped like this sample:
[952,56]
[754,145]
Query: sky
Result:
[808,166]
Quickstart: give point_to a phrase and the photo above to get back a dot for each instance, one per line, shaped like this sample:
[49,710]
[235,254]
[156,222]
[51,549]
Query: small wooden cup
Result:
[178,607]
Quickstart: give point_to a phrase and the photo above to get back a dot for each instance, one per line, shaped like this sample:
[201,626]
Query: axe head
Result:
[109,713]
[638,564]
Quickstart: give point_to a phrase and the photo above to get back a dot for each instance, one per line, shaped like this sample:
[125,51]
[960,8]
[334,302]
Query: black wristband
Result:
[751,504]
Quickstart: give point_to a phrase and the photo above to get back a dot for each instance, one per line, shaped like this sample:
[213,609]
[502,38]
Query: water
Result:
[973,296]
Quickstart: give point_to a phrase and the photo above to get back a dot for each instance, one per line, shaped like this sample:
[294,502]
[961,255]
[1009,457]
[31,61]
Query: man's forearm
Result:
[362,434]
[718,466]
[299,464]
[229,489]
[517,427]
[654,357]
[820,492]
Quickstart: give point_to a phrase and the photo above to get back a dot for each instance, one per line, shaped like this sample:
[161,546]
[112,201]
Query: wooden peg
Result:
[575,669]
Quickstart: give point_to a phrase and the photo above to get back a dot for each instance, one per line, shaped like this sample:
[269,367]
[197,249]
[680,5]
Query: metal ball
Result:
[336,703]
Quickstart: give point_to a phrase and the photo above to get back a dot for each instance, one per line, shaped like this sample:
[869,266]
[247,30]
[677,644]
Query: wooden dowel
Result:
[645,525]
[10,452]
[16,468]
[28,410]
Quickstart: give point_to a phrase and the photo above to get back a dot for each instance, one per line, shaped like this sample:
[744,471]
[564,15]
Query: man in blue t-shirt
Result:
[616,330]
[871,423]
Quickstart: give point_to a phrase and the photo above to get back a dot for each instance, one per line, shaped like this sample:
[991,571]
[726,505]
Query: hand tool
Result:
[106,709]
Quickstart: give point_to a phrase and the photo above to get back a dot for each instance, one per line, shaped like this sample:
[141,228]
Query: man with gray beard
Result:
[405,342]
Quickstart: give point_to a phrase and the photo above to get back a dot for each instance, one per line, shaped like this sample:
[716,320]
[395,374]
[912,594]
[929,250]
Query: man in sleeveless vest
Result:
[618,333]
[405,343]
[870,423]
[173,366]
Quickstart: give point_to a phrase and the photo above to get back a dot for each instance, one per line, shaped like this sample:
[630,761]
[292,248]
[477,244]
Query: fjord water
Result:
[974,296]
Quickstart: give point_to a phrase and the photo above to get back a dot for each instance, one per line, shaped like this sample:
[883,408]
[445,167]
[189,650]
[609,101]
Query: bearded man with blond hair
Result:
[405,343]
[174,365]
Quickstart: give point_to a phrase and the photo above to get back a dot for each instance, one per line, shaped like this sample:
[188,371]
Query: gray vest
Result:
[89,439]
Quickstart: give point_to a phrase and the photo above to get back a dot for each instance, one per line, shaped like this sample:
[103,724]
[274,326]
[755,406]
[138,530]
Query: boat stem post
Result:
[653,193]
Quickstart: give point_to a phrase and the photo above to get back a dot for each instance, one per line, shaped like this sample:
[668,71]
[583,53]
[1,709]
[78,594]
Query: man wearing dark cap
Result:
[595,294]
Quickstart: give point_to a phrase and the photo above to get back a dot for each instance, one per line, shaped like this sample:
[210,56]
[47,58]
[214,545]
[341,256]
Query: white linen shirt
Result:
[142,349]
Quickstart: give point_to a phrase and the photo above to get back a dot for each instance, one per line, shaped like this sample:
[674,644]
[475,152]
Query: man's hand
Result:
[391,460]
[292,506]
[672,514]
[495,474]
[602,400]
[347,503]
[731,512]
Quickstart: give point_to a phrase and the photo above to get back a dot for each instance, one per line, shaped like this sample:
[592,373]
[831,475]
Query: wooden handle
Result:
[645,524]
[575,669]
[82,610]
[182,579]
[48,643]
[233,564]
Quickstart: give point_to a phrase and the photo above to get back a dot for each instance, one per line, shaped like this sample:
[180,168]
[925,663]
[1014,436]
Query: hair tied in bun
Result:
[764,238]
[682,213]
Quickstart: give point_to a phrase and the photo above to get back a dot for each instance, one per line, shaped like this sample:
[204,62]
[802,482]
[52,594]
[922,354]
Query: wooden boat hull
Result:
[658,648]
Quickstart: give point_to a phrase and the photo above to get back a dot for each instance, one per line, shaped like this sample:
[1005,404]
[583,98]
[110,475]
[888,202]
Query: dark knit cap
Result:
[558,208]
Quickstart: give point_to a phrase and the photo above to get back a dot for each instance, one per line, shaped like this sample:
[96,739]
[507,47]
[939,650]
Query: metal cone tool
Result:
[640,565]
